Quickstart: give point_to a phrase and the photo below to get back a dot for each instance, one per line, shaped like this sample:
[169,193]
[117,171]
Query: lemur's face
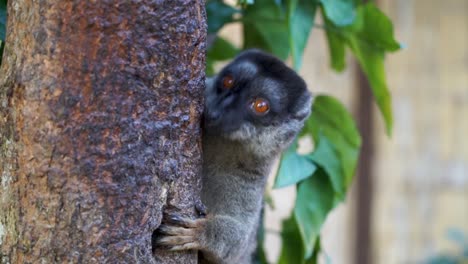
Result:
[256,99]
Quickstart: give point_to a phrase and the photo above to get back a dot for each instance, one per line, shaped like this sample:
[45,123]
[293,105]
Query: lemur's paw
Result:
[180,233]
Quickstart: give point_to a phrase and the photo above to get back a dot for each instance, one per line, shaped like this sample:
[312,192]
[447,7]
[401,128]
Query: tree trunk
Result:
[100,104]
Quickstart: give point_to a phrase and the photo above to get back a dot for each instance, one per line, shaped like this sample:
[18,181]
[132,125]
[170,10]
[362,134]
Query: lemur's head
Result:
[258,101]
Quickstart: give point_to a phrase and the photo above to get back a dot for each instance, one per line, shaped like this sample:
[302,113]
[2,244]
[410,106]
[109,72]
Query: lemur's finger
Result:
[187,246]
[174,230]
[174,240]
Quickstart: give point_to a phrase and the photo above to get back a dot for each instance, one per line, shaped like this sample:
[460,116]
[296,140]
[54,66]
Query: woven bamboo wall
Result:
[422,171]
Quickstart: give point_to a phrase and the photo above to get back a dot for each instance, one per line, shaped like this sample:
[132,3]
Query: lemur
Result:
[254,108]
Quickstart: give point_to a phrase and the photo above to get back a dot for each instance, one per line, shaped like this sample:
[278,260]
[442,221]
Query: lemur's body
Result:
[234,191]
[254,108]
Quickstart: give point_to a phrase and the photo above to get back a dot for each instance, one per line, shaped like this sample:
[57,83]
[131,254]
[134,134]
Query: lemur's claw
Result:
[176,218]
[201,208]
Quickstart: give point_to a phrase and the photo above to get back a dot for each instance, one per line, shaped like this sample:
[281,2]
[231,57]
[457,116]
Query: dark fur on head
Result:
[257,74]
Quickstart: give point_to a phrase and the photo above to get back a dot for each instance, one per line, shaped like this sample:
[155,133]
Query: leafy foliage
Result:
[300,19]
[340,12]
[369,37]
[245,2]
[337,139]
[293,251]
[314,201]
[335,156]
[265,27]
[323,176]
[219,14]
[293,168]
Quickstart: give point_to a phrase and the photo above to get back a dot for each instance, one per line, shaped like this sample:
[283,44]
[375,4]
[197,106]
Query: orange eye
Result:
[228,81]
[260,106]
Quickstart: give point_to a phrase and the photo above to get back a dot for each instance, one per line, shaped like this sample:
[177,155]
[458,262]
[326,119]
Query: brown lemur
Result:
[254,108]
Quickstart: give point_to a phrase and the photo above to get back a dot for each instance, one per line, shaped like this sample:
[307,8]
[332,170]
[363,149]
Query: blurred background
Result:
[409,200]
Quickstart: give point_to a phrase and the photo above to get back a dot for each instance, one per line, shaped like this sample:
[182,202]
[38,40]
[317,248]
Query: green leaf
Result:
[314,201]
[375,28]
[245,2]
[340,12]
[372,37]
[314,258]
[337,139]
[327,158]
[221,50]
[209,67]
[300,19]
[369,38]
[292,250]
[219,14]
[336,46]
[293,168]
[3,19]
[372,63]
[265,27]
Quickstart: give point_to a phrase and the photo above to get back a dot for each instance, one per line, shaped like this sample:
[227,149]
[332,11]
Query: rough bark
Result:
[99,127]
